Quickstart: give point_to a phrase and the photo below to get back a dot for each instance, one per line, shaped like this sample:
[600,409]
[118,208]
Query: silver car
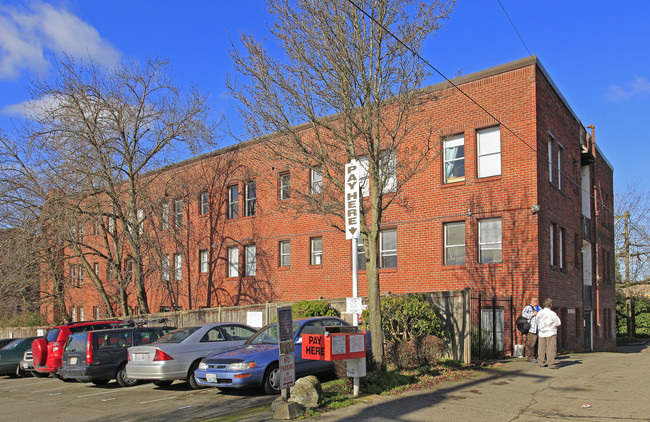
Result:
[176,355]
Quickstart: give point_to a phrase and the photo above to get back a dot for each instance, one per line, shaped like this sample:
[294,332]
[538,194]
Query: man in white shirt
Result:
[547,323]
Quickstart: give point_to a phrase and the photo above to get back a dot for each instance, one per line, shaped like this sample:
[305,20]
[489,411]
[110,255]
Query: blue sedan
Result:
[255,364]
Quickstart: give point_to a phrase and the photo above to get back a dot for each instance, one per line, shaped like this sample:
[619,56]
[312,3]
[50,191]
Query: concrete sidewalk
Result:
[615,385]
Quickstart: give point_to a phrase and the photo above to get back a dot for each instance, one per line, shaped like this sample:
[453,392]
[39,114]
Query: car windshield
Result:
[12,345]
[178,335]
[269,334]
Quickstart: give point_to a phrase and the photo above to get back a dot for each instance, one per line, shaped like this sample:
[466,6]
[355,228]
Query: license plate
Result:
[211,377]
[73,361]
[140,357]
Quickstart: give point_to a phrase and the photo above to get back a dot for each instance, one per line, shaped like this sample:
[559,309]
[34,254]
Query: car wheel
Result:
[162,384]
[122,379]
[271,379]
[99,381]
[40,374]
[190,376]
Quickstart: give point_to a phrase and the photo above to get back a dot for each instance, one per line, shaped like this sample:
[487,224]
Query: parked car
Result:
[255,364]
[5,341]
[99,356]
[47,351]
[11,354]
[27,364]
[177,355]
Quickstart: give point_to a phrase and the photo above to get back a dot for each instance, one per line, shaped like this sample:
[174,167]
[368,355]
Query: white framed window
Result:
[489,151]
[178,212]
[233,261]
[560,153]
[81,314]
[233,202]
[285,253]
[178,267]
[80,275]
[489,240]
[140,216]
[95,312]
[165,268]
[285,186]
[364,178]
[388,248]
[111,225]
[316,251]
[560,245]
[550,160]
[454,234]
[316,178]
[361,256]
[109,270]
[388,171]
[164,216]
[73,275]
[73,313]
[250,255]
[203,261]
[249,204]
[203,203]
[454,166]
[129,269]
[96,268]
[96,228]
[552,242]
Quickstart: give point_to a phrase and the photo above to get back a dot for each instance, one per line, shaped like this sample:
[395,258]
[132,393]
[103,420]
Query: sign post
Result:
[353,222]
[287,369]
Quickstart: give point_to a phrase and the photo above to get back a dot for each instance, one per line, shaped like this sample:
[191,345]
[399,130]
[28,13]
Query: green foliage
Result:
[33,319]
[409,317]
[641,316]
[312,308]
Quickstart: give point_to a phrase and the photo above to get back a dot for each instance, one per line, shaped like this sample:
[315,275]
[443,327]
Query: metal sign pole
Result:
[355,276]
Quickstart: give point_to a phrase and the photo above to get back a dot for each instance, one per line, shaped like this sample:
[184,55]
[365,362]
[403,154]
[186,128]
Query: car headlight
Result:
[203,366]
[240,366]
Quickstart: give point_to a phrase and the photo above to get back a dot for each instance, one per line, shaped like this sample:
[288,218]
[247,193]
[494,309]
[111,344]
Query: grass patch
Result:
[338,393]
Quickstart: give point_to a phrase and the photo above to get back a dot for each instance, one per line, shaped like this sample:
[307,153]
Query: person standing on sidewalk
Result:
[547,323]
[530,313]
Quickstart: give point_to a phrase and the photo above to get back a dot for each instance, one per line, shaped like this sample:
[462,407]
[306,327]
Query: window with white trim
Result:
[454,234]
[96,268]
[233,261]
[233,202]
[560,154]
[203,203]
[284,184]
[250,255]
[388,171]
[178,212]
[250,201]
[550,160]
[364,178]
[361,256]
[178,267]
[164,216]
[551,235]
[111,225]
[73,275]
[165,268]
[489,151]
[388,248]
[81,314]
[454,166]
[203,261]
[316,251]
[285,253]
[316,180]
[490,241]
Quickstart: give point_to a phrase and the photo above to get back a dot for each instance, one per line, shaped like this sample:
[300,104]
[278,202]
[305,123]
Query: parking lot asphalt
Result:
[586,387]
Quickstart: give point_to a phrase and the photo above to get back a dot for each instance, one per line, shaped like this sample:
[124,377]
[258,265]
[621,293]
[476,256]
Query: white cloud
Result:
[638,86]
[31,34]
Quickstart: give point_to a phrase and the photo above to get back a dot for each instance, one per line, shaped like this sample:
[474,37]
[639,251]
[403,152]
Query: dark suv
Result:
[47,351]
[99,356]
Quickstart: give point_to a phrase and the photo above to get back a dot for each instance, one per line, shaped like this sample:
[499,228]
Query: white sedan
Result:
[177,355]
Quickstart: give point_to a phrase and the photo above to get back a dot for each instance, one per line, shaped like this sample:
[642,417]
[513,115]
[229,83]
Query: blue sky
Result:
[595,51]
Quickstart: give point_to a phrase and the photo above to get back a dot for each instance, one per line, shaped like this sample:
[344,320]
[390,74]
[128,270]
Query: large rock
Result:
[307,392]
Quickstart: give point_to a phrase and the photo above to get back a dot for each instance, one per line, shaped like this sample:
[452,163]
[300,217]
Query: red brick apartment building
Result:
[519,206]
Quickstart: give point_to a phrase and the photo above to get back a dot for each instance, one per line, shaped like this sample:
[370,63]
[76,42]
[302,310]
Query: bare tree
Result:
[104,131]
[354,86]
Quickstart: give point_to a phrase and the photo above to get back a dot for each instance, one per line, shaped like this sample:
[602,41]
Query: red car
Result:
[48,351]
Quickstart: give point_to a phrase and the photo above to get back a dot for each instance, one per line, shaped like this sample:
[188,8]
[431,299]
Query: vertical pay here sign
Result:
[352,193]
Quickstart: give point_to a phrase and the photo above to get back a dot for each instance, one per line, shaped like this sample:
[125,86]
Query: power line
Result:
[426,62]
[515,28]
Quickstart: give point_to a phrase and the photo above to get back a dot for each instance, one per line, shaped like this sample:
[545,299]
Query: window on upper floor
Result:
[233,202]
[284,185]
[164,216]
[454,237]
[164,268]
[203,203]
[203,261]
[316,251]
[251,198]
[178,212]
[361,256]
[285,253]
[550,159]
[316,180]
[96,268]
[560,159]
[364,179]
[489,151]
[233,261]
[490,241]
[388,171]
[250,255]
[454,164]
[178,267]
[111,225]
[388,248]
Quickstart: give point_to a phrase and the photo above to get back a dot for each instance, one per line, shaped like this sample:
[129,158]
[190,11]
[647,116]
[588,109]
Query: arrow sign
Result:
[352,198]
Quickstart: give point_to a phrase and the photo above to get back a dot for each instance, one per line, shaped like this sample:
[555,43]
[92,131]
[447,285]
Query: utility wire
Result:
[426,62]
[515,28]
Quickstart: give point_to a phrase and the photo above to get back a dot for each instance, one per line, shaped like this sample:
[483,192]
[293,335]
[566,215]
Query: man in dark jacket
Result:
[530,313]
